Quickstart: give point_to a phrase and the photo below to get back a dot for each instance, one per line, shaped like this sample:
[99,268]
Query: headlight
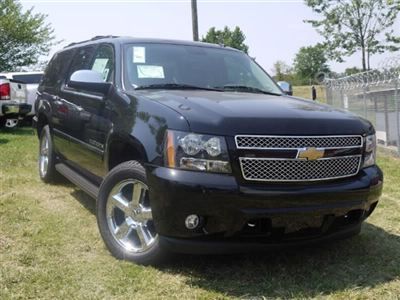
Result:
[370,151]
[197,152]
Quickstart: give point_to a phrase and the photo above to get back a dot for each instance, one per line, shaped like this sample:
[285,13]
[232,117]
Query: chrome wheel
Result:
[129,216]
[44,156]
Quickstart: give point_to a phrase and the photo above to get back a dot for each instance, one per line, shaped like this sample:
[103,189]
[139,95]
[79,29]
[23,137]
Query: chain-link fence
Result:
[374,95]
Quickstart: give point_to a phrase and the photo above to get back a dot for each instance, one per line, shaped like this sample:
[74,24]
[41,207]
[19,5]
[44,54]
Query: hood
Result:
[231,113]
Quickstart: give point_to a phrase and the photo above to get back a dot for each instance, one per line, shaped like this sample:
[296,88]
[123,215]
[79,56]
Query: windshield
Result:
[151,65]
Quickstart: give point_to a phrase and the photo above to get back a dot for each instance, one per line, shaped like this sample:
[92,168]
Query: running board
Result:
[91,189]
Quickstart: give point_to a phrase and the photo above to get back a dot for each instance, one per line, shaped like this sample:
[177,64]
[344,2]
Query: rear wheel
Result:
[125,218]
[46,159]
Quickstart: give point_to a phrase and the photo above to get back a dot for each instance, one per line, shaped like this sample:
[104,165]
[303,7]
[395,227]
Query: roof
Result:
[127,40]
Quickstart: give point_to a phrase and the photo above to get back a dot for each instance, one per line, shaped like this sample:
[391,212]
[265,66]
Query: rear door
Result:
[49,89]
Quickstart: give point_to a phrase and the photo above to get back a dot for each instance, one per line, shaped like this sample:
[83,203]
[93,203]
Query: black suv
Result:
[191,147]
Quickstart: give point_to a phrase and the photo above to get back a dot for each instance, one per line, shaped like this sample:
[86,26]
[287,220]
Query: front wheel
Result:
[124,215]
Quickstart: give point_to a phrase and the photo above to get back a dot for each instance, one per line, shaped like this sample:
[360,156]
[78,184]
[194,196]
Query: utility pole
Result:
[195,24]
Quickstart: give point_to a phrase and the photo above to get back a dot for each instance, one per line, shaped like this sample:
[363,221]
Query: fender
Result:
[132,142]
[143,131]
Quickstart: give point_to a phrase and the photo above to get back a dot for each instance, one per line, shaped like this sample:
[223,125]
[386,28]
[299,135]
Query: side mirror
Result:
[286,87]
[90,81]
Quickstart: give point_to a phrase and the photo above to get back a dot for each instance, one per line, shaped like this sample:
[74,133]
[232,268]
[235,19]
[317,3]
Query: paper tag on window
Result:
[148,71]
[139,55]
[100,64]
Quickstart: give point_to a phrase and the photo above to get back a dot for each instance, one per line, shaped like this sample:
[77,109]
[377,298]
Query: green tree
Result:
[309,63]
[351,71]
[232,38]
[350,26]
[282,71]
[24,36]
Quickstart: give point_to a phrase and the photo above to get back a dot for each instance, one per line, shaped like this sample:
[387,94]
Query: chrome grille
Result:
[271,169]
[295,142]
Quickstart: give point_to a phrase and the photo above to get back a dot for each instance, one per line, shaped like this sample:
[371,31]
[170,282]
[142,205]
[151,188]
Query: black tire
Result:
[26,122]
[130,170]
[2,122]
[49,173]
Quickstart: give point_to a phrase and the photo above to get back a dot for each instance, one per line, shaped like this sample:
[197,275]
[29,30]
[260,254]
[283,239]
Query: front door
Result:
[89,123]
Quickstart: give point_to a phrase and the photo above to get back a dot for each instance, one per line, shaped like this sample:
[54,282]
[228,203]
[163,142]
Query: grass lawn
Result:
[50,248]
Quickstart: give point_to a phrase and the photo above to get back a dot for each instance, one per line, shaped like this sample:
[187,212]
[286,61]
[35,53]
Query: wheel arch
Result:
[43,114]
[121,149]
[41,122]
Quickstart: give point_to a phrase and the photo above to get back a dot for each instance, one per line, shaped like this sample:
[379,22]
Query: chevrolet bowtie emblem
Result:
[311,153]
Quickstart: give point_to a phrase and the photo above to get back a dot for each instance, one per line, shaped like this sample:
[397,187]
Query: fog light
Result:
[192,221]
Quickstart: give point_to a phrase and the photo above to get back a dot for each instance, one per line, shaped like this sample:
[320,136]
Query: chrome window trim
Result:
[75,140]
[68,90]
[299,180]
[299,137]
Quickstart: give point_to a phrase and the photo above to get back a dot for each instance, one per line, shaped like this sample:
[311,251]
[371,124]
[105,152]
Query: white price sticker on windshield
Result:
[148,71]
[139,55]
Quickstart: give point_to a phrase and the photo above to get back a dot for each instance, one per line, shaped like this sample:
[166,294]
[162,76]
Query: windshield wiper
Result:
[175,86]
[245,88]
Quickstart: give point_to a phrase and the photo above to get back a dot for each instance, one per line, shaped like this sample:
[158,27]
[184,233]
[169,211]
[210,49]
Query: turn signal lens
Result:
[170,150]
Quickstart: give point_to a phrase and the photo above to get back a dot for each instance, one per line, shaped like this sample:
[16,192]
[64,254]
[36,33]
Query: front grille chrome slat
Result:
[265,169]
[295,142]
[272,169]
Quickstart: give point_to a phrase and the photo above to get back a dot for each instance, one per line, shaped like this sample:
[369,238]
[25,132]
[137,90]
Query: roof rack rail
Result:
[97,37]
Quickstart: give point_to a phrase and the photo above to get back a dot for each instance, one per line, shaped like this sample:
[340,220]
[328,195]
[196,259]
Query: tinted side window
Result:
[104,62]
[82,59]
[28,78]
[56,70]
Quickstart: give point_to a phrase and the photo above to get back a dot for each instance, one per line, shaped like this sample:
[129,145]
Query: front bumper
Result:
[223,246]
[15,109]
[262,214]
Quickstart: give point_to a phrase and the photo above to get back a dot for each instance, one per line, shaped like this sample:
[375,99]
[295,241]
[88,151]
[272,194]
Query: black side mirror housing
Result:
[286,87]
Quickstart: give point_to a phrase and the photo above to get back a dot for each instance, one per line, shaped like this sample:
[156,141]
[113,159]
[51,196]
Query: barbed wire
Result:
[387,73]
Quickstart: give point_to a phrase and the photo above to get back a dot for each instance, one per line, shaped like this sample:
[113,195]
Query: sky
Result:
[274,29]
